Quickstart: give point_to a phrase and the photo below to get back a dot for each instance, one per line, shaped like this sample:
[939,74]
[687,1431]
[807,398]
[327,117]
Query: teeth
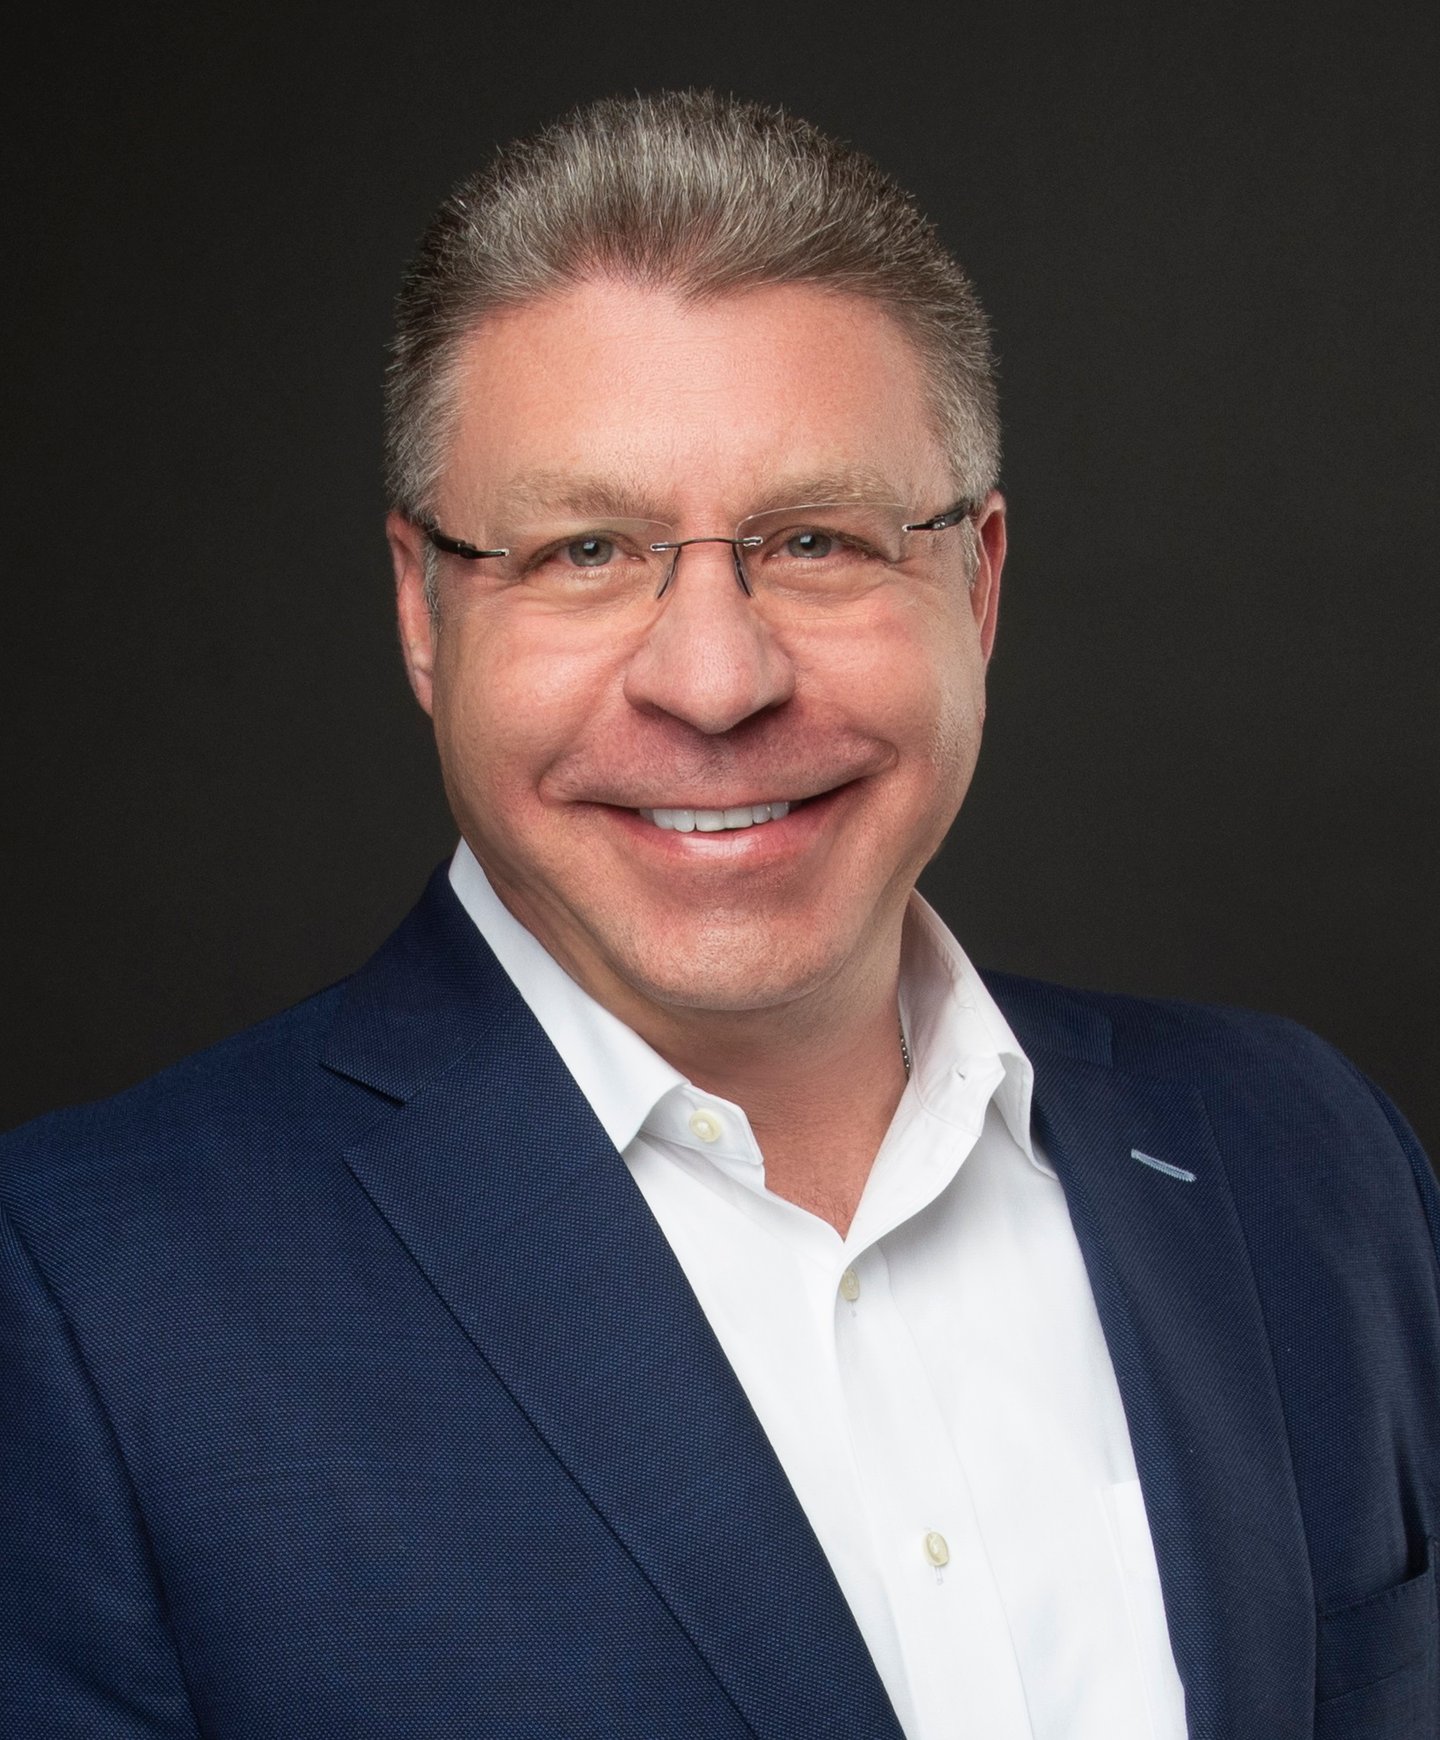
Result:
[716,821]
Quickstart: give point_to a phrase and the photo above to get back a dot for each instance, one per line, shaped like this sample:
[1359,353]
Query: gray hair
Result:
[701,194]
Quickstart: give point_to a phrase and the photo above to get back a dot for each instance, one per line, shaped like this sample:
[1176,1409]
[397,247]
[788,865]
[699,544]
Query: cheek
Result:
[960,713]
[506,708]
[920,685]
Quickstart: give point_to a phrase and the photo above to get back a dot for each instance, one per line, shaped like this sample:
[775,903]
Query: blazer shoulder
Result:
[248,1080]
[1167,1036]
[236,1130]
[1276,1093]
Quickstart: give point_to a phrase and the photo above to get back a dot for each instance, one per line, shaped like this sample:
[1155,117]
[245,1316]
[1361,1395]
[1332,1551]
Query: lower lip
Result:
[761,843]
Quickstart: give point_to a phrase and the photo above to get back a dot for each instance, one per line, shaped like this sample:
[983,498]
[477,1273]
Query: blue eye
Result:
[812,545]
[590,552]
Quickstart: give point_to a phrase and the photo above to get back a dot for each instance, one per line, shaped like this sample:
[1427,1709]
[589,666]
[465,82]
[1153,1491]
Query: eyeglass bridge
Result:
[742,579]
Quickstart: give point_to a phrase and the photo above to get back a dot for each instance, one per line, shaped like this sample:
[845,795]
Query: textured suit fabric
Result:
[348,1387]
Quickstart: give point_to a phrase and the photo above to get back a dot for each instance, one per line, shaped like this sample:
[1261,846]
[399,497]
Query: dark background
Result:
[1207,239]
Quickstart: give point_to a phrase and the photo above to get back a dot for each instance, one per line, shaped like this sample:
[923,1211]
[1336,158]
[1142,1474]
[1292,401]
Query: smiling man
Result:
[667,1291]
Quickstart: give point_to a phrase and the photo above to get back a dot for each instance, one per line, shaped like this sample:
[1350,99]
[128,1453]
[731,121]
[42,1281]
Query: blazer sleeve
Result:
[1426,1183]
[85,1645]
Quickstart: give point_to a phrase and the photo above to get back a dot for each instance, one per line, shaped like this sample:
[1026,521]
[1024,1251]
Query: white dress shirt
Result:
[935,1384]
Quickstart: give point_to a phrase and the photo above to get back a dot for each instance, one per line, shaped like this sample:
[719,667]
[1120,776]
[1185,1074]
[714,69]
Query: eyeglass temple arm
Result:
[457,546]
[952,516]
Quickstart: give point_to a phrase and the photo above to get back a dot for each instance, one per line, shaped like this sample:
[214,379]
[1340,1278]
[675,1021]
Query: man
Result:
[666,1292]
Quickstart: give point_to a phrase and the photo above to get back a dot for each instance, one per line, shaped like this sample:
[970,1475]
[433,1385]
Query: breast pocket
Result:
[1378,1665]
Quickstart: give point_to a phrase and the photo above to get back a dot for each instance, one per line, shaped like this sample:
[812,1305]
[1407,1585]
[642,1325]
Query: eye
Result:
[590,552]
[810,544]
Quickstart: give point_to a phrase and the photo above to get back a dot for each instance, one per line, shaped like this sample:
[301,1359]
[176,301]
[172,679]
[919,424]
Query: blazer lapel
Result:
[503,1187]
[1171,1275]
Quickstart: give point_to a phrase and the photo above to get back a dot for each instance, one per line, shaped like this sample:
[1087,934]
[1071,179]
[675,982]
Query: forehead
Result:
[690,406]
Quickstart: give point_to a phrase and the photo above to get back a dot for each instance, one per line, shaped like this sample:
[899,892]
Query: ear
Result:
[985,587]
[412,608]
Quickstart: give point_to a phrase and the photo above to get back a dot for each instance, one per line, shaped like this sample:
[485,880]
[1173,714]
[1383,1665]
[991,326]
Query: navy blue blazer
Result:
[349,1388]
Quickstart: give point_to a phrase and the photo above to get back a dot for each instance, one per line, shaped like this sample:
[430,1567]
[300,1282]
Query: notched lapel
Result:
[505,1190]
[1173,1283]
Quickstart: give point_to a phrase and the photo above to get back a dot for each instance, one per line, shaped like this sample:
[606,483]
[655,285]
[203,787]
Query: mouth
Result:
[693,821]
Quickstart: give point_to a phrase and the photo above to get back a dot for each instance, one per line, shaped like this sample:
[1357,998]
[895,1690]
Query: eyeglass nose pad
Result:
[742,579]
[674,563]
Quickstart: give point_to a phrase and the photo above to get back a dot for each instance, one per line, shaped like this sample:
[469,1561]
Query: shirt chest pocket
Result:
[1378,1665]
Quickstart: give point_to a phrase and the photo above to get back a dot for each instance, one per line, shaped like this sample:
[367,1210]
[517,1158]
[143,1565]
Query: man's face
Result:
[557,729]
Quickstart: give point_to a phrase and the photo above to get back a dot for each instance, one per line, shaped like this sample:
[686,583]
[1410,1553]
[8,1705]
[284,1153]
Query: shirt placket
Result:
[929,1548]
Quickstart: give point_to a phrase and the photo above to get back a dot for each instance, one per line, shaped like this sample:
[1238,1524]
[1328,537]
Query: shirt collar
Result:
[954,1027]
[952,1024]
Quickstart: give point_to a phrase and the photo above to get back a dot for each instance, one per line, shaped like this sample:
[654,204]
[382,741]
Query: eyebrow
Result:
[853,483]
[551,491]
[558,491]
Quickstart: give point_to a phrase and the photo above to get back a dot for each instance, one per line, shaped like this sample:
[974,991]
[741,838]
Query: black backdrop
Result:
[1206,235]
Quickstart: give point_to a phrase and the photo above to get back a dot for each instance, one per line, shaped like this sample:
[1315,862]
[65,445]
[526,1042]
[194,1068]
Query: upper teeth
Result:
[713,821]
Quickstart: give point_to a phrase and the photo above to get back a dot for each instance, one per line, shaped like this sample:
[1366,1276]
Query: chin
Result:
[727,967]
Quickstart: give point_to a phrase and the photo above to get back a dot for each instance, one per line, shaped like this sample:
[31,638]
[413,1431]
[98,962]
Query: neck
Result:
[818,1075]
[819,1080]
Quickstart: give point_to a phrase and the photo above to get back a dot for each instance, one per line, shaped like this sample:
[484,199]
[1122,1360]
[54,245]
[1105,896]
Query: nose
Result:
[709,656]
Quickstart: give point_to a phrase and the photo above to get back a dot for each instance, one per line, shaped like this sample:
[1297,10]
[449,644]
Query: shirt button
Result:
[705,1125]
[936,1549]
[850,1286]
